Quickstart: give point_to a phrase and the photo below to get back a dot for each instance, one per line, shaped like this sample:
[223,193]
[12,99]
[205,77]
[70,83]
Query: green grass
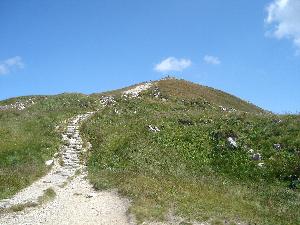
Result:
[189,168]
[28,137]
[20,207]
[49,194]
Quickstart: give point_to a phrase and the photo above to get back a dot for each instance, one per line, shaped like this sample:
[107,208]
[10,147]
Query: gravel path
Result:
[135,92]
[76,202]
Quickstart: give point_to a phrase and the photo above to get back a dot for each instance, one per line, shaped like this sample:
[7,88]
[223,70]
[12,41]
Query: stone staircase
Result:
[63,167]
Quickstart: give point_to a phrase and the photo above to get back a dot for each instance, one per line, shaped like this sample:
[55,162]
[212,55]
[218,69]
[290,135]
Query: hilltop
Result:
[186,90]
[180,151]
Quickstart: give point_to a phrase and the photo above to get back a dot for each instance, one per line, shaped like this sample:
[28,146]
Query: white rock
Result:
[232,141]
[153,128]
[107,100]
[222,108]
[277,147]
[251,151]
[49,162]
[89,145]
[18,105]
[260,164]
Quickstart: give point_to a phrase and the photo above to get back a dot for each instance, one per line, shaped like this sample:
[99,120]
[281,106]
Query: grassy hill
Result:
[180,148]
[182,89]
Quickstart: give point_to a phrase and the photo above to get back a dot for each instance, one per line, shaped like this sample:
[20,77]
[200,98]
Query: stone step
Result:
[70,150]
[66,157]
[72,160]
[74,142]
[71,164]
[70,154]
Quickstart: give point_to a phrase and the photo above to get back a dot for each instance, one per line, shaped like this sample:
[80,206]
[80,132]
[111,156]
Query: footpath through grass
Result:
[189,168]
[169,154]
[30,137]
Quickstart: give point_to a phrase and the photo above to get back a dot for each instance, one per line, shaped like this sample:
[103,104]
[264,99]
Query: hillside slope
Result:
[186,90]
[173,149]
[180,151]
[29,135]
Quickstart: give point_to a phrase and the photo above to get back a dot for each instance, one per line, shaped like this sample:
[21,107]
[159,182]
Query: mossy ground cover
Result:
[188,167]
[28,137]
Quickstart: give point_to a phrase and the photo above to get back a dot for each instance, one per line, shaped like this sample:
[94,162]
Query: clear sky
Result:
[248,48]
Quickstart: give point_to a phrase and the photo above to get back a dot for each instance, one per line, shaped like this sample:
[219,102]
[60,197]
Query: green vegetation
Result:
[188,167]
[183,164]
[28,137]
[20,207]
[48,195]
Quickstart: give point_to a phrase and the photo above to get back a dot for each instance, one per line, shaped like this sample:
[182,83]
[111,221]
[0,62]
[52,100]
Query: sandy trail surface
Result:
[76,202]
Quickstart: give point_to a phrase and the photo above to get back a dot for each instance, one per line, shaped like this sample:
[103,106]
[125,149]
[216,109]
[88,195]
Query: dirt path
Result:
[75,202]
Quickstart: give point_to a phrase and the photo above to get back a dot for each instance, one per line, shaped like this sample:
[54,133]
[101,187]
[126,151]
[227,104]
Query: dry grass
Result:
[182,89]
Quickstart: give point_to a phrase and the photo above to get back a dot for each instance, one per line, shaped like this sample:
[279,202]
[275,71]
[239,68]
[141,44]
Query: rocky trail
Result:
[75,201]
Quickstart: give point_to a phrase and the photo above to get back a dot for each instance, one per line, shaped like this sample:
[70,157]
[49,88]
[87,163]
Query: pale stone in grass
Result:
[277,147]
[49,162]
[153,128]
[260,164]
[232,142]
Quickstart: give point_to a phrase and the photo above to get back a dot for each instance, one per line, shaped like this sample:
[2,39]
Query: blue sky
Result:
[248,48]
